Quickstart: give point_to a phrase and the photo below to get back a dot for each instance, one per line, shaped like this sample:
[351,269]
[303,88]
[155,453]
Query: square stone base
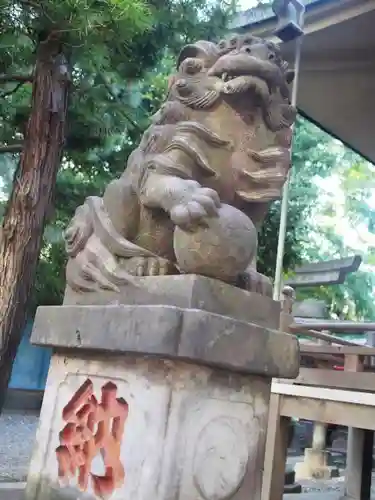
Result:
[315,466]
[187,291]
[164,430]
[158,392]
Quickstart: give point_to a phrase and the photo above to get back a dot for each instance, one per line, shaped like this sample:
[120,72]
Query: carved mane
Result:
[202,82]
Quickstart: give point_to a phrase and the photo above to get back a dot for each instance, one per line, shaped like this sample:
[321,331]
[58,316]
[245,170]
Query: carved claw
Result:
[201,204]
[148,266]
[91,273]
[253,281]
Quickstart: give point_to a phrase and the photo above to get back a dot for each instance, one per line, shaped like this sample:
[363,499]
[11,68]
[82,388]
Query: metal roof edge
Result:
[257,16]
[333,135]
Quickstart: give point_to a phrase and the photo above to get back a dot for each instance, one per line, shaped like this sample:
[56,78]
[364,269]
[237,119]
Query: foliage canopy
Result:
[122,52]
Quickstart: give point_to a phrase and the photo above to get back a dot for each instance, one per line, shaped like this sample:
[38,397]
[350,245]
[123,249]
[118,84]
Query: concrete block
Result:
[161,395]
[168,332]
[188,291]
[190,432]
[315,466]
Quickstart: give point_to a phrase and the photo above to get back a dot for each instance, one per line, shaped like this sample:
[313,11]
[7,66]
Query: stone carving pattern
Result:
[221,138]
[220,458]
[93,428]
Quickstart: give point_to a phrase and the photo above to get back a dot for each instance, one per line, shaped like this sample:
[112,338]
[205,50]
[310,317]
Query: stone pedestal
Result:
[315,464]
[158,401]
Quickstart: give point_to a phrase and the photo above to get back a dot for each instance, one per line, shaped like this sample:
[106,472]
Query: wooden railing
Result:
[322,394]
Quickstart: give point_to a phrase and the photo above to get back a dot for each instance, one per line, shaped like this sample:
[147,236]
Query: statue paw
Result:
[198,204]
[148,266]
[253,281]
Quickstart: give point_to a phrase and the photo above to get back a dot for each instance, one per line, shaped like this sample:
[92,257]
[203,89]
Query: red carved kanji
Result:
[93,428]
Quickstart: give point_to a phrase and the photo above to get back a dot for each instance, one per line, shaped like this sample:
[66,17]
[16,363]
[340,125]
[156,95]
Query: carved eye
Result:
[183,87]
[222,44]
[181,82]
[233,42]
[271,57]
[248,50]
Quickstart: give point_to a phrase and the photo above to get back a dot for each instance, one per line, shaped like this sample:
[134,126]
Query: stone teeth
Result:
[224,77]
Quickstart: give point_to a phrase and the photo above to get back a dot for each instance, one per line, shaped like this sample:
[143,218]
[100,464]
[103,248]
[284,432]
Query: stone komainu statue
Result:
[221,138]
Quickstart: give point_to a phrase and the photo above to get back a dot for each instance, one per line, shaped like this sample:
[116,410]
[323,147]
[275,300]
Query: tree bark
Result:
[31,199]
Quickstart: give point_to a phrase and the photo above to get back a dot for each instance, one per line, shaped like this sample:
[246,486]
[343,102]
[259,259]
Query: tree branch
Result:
[16,78]
[11,148]
[116,98]
[37,5]
[10,92]
[30,3]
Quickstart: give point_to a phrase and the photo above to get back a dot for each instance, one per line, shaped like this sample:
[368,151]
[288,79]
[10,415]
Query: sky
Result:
[247,4]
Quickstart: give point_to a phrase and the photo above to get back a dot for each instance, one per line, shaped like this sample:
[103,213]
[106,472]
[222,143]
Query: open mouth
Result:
[232,66]
[238,84]
[226,77]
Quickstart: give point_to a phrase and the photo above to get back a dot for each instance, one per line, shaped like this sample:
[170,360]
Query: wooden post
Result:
[278,429]
[359,451]
[315,463]
[276,452]
[320,429]
[319,436]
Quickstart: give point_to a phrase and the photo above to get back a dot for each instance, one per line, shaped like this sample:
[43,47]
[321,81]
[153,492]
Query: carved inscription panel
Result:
[101,430]
[140,429]
[93,428]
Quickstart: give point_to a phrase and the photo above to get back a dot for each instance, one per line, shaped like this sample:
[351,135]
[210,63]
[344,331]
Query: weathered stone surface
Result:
[191,433]
[315,466]
[189,291]
[223,248]
[170,332]
[221,138]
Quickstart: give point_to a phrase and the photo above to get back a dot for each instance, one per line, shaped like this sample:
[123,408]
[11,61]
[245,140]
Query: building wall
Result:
[31,365]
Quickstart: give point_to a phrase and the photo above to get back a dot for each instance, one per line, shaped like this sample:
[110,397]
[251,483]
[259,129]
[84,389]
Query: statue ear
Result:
[289,75]
[207,51]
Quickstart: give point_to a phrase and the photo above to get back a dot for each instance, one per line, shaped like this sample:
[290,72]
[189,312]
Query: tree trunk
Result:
[31,199]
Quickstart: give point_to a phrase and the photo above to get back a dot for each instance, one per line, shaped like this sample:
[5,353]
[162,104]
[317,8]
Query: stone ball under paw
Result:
[222,249]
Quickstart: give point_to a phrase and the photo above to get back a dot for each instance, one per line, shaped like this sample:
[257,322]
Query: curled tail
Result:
[79,231]
[95,249]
